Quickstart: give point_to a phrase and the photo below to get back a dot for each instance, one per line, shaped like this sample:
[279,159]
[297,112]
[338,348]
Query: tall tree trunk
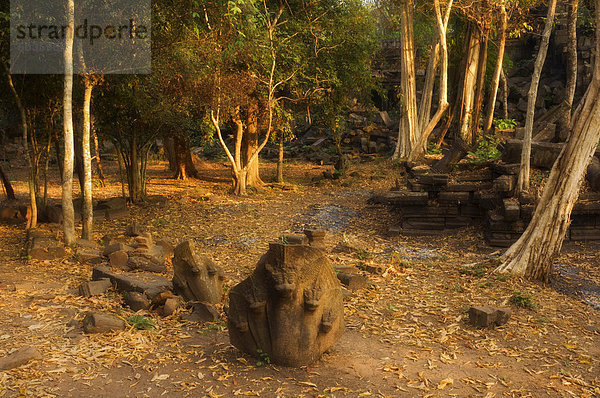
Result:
[489,117]
[532,255]
[427,96]
[46,165]
[407,134]
[134,172]
[98,160]
[469,86]
[479,84]
[87,210]
[67,181]
[121,172]
[504,94]
[428,124]
[10,193]
[571,83]
[58,153]
[523,181]
[572,51]
[250,144]
[280,158]
[239,172]
[31,223]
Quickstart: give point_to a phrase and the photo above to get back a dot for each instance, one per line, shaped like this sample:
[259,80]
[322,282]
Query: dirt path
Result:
[406,335]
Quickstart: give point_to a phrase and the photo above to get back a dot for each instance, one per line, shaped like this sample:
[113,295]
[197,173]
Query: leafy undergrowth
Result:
[406,335]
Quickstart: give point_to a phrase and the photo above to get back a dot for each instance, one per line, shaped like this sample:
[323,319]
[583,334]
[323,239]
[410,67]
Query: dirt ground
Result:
[406,335]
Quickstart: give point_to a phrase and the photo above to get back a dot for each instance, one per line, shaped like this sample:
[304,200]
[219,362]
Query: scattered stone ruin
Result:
[483,194]
[291,307]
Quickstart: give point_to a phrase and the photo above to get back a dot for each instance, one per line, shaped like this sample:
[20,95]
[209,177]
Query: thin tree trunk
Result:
[280,159]
[572,51]
[10,193]
[427,128]
[31,223]
[121,173]
[469,86]
[407,134]
[134,172]
[532,255]
[427,96]
[45,197]
[58,152]
[87,210]
[98,160]
[523,181]
[562,126]
[67,181]
[504,94]
[239,173]
[479,85]
[489,117]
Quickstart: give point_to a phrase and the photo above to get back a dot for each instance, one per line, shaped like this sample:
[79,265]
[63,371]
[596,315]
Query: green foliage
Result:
[505,124]
[364,254]
[433,149]
[264,358]
[523,300]
[140,322]
[487,149]
[476,270]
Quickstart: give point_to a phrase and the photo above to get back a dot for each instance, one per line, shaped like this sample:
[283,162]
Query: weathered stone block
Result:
[119,259]
[512,210]
[95,322]
[94,288]
[488,317]
[353,281]
[114,247]
[137,301]
[45,248]
[290,307]
[135,229]
[195,276]
[143,282]
[91,256]
[316,238]
[113,214]
[19,358]
[142,262]
[482,317]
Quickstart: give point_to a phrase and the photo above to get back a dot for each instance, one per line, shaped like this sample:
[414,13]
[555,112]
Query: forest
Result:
[300,198]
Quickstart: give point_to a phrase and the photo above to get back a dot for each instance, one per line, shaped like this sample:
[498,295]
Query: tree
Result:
[123,112]
[523,181]
[489,117]
[31,223]
[428,124]
[87,210]
[532,255]
[67,178]
[8,189]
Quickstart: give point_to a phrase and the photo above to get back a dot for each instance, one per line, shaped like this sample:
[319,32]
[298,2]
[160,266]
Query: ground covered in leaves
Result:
[406,335]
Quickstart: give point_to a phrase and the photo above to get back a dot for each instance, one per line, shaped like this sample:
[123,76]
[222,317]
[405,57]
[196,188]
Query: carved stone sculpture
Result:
[289,308]
[196,277]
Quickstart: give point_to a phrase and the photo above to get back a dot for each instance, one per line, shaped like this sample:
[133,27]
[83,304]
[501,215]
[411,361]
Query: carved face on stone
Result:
[281,268]
[290,307]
